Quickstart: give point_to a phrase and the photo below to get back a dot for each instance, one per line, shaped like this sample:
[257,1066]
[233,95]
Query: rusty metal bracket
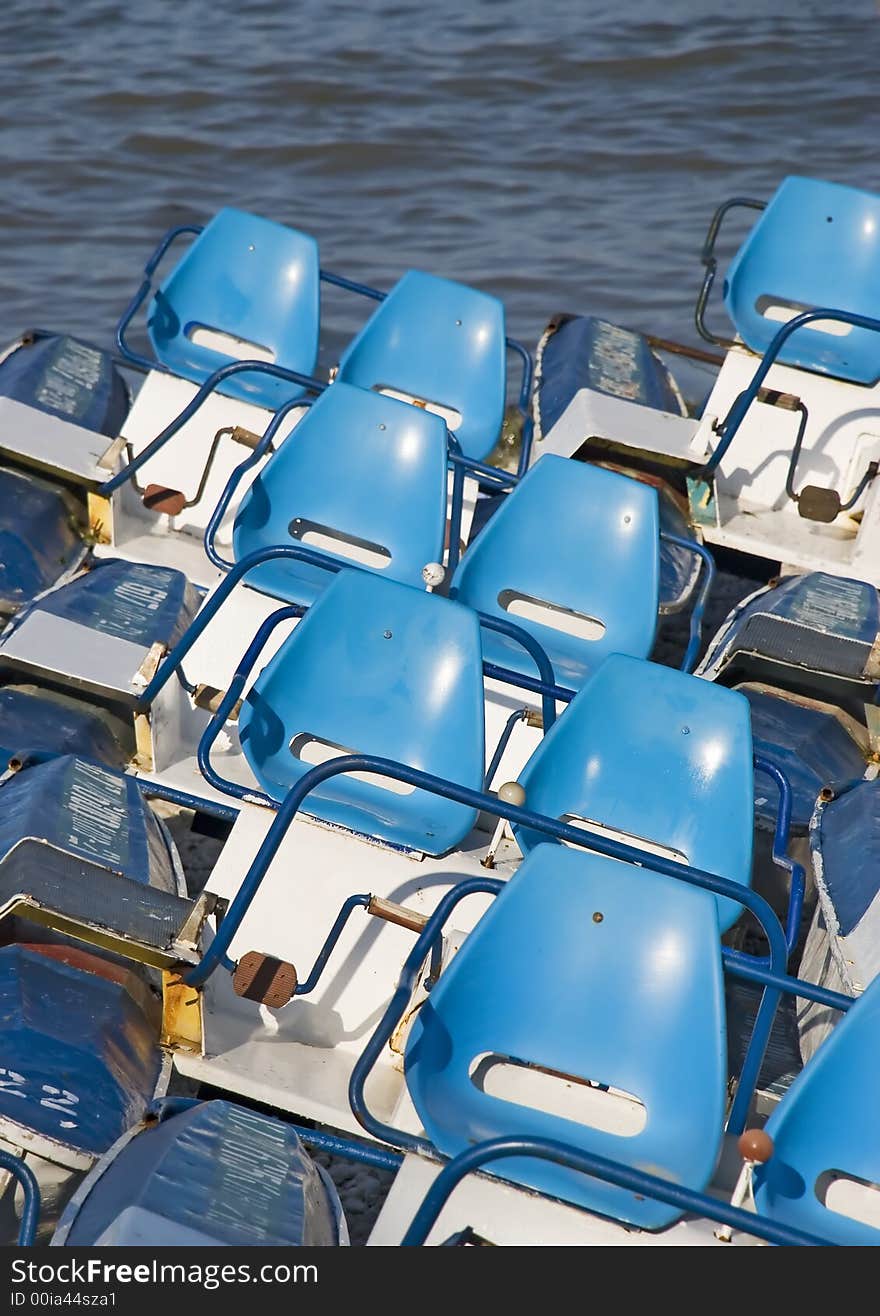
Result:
[182,1020]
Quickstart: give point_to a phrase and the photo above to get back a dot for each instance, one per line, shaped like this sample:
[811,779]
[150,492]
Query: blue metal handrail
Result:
[599,1167]
[707,256]
[479,800]
[737,413]
[549,694]
[258,453]
[708,567]
[30,1213]
[141,295]
[211,383]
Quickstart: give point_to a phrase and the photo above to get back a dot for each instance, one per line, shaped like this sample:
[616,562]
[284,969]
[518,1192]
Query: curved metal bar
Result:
[518,715]
[707,257]
[212,605]
[492,474]
[599,1167]
[744,400]
[30,1214]
[479,801]
[412,966]
[228,702]
[232,483]
[132,357]
[211,383]
[541,660]
[348,908]
[524,403]
[780,849]
[696,627]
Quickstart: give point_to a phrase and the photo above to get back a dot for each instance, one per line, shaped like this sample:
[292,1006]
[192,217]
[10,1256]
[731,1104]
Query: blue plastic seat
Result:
[659,756]
[358,467]
[583,541]
[251,279]
[442,343]
[817,244]
[377,668]
[826,1126]
[633,1000]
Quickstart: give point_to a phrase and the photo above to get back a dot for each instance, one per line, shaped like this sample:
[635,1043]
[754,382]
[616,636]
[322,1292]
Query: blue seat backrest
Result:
[826,1124]
[599,972]
[377,668]
[816,245]
[358,465]
[440,342]
[582,539]
[660,756]
[253,280]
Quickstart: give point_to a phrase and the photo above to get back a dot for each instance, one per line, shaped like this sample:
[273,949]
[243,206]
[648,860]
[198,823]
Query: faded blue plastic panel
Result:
[827,1124]
[581,539]
[79,1059]
[216,1174]
[658,755]
[377,668]
[358,464]
[849,840]
[585,352]
[633,1000]
[811,747]
[46,722]
[816,245]
[251,279]
[90,811]
[130,600]
[67,378]
[39,538]
[441,342]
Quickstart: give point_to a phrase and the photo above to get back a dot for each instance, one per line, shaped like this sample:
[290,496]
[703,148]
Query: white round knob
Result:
[433,574]
[512,793]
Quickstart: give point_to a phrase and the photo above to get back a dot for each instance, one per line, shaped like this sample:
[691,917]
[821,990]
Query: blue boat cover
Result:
[39,537]
[66,378]
[848,838]
[213,1174]
[90,811]
[44,722]
[810,746]
[808,626]
[580,351]
[130,600]
[78,1057]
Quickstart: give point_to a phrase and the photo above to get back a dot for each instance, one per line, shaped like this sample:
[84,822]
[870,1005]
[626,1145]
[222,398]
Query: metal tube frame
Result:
[598,1167]
[27,1181]
[736,415]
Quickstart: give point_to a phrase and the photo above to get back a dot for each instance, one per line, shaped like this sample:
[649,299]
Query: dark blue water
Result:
[565,156]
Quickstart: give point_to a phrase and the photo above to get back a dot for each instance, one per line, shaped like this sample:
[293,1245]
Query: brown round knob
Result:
[755,1145]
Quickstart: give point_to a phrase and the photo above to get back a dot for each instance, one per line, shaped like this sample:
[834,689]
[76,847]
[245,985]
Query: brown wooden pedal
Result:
[264,978]
[159,498]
